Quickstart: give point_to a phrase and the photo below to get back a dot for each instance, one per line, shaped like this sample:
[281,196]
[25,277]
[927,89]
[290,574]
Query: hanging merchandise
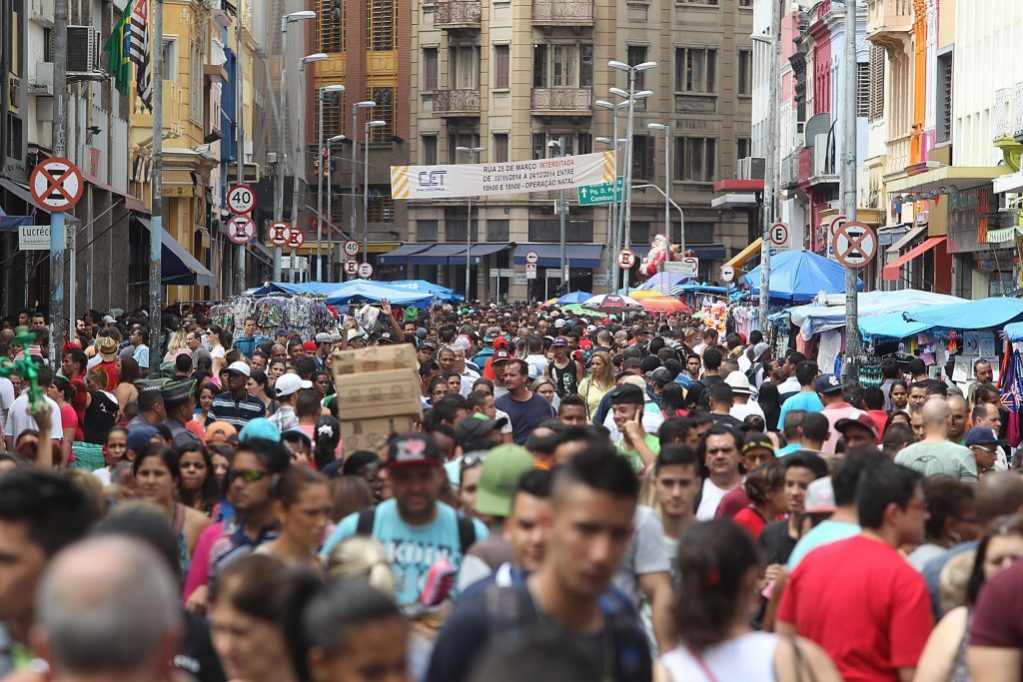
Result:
[1010,387]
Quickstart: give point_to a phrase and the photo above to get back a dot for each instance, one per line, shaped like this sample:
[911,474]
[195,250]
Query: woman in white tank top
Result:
[719,570]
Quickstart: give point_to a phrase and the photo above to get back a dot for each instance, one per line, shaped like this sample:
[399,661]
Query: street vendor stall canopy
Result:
[815,318]
[800,276]
[987,313]
[356,291]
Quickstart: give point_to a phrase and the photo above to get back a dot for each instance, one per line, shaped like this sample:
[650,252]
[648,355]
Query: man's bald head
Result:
[935,412]
[998,493]
[107,604]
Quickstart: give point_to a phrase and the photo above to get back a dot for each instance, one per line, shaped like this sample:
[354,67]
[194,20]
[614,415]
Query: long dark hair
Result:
[770,402]
[671,399]
[209,494]
[714,559]
[328,435]
[1010,524]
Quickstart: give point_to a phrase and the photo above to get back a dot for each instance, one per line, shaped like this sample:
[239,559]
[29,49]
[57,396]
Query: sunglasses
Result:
[469,461]
[247,475]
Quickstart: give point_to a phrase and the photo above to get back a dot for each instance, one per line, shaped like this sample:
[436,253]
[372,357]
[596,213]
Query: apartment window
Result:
[195,98]
[639,233]
[699,233]
[464,67]
[562,66]
[549,230]
[455,140]
[331,112]
[429,157]
[331,26]
[943,116]
[743,147]
[380,21]
[862,89]
[636,54]
[170,59]
[876,109]
[502,66]
[643,151]
[498,230]
[695,159]
[500,154]
[380,206]
[745,3]
[426,230]
[384,111]
[454,230]
[696,70]
[574,143]
[699,2]
[429,69]
[745,79]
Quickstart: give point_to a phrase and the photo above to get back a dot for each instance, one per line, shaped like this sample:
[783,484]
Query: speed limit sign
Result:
[351,267]
[351,248]
[241,199]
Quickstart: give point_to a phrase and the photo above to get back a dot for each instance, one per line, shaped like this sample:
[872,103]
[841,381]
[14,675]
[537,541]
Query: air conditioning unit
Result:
[42,84]
[13,94]
[82,49]
[750,168]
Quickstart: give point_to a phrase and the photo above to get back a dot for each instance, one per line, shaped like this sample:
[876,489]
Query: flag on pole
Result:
[116,49]
[140,52]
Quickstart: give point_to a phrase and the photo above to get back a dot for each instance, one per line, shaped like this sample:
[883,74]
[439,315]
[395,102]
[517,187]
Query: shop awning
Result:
[178,265]
[579,255]
[739,259]
[437,254]
[400,255]
[893,270]
[888,235]
[1004,234]
[959,178]
[478,252]
[707,251]
[21,192]
[907,239]
[1008,183]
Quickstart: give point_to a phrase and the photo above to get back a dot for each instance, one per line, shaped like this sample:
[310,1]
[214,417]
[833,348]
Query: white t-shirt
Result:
[740,412]
[712,496]
[18,419]
[6,399]
[498,414]
[537,365]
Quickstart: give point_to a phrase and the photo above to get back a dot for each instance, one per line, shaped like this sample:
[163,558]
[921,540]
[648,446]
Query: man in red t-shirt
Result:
[858,598]
[73,367]
[996,632]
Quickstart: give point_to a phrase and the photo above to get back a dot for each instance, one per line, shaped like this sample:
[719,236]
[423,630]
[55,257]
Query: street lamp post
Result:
[770,165]
[330,211]
[353,222]
[300,166]
[365,187]
[319,184]
[286,21]
[563,215]
[474,153]
[613,234]
[666,129]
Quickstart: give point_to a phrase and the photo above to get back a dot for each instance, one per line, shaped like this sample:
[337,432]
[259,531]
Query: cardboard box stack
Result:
[378,395]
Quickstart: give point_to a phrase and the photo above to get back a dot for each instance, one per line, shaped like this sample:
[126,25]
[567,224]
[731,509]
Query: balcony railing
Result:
[897,155]
[456,102]
[1017,111]
[889,21]
[695,104]
[563,12]
[823,167]
[562,101]
[790,170]
[457,13]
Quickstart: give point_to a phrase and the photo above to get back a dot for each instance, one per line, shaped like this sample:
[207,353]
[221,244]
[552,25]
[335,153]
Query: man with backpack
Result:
[417,530]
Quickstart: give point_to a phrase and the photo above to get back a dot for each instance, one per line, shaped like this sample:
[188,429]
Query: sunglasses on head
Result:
[469,461]
[247,475]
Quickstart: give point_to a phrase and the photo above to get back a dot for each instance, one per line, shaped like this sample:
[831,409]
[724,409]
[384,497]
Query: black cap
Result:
[628,394]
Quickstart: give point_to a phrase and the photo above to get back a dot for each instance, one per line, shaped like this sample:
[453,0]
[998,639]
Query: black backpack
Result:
[466,528]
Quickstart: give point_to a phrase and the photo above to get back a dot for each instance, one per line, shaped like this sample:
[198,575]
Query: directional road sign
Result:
[365,270]
[626,258]
[241,229]
[296,238]
[351,267]
[351,248]
[530,270]
[279,233]
[690,266]
[532,257]
[241,199]
[727,273]
[603,193]
[56,184]
[855,244]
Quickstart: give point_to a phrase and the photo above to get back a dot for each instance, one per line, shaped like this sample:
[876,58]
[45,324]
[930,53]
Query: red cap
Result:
[309,346]
[500,356]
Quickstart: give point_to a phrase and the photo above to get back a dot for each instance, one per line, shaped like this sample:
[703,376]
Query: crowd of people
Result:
[581,499]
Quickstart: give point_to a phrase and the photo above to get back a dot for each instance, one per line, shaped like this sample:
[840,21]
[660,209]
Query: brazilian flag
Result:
[117,51]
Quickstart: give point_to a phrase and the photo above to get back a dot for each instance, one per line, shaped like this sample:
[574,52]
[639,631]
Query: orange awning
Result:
[892,271]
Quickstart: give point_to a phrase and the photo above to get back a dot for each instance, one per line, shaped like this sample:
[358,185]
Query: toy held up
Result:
[27,368]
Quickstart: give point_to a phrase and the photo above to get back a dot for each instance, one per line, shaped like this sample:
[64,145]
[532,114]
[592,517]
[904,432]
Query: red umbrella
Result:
[664,305]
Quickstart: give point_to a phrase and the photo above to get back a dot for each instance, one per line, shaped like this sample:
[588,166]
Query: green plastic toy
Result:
[26,368]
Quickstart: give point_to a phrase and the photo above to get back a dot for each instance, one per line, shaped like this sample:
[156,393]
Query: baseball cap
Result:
[499,477]
[412,449]
[428,344]
[239,367]
[628,394]
[559,323]
[140,437]
[760,349]
[470,430]
[662,376]
[739,383]
[323,337]
[560,341]
[757,440]
[260,427]
[309,346]
[289,383]
[500,355]
[383,337]
[219,432]
[820,496]
[828,383]
[982,435]
[355,334]
[862,419]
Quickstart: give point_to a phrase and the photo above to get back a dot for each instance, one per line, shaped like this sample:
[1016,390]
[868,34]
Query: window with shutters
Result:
[429,157]
[876,109]
[500,147]
[380,206]
[699,233]
[695,159]
[549,230]
[502,66]
[696,70]
[333,105]
[643,150]
[743,147]
[331,25]
[639,233]
[454,229]
[464,67]
[429,69]
[943,111]
[862,89]
[498,230]
[426,230]
[384,111]
[636,54]
[745,79]
[562,65]
[381,18]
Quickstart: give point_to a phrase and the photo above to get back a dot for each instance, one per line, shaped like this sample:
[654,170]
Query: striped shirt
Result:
[236,413]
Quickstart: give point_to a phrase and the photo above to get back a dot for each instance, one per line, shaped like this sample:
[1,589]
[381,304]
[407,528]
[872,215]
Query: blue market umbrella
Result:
[575,297]
[800,275]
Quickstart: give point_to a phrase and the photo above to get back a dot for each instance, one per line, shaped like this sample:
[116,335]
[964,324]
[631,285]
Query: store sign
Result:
[490,179]
[34,238]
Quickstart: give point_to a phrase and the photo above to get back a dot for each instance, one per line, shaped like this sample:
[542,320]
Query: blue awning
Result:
[437,254]
[178,265]
[701,251]
[579,255]
[400,255]
[478,252]
[22,192]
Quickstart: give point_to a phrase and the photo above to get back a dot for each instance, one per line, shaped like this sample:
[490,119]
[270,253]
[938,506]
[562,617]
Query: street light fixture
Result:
[666,129]
[310,58]
[330,211]
[365,187]
[563,215]
[354,224]
[300,167]
[319,177]
[474,153]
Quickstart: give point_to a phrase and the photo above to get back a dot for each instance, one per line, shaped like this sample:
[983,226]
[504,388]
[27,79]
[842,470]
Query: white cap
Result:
[355,334]
[289,383]
[739,383]
[239,367]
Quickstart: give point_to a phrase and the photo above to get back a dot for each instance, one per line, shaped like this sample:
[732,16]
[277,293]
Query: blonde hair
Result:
[178,341]
[953,580]
[362,557]
[608,380]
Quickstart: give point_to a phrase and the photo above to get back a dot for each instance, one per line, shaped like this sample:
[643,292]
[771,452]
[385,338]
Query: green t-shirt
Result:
[637,462]
[932,459]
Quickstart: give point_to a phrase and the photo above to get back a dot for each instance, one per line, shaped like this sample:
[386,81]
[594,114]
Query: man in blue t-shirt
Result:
[524,408]
[807,399]
[414,527]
